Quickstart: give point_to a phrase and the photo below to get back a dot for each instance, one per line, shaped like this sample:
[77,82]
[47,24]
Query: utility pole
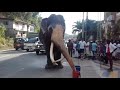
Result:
[100,27]
[86,25]
[83,26]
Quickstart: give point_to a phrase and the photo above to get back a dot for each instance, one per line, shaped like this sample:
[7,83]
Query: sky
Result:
[71,17]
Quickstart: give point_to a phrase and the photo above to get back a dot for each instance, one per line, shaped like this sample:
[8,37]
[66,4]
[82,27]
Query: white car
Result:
[31,44]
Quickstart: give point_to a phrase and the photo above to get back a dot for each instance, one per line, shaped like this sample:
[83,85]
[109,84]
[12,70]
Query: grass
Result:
[6,43]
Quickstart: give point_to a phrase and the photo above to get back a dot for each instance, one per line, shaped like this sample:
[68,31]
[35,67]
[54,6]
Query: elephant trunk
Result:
[58,40]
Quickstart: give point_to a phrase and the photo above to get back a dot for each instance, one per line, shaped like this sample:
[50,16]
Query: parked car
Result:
[40,48]
[30,44]
[19,43]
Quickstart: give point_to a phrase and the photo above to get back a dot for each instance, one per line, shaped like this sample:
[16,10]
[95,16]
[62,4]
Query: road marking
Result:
[12,55]
[5,56]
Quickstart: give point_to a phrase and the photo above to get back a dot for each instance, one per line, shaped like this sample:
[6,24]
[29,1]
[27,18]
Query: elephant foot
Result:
[53,66]
[59,66]
[49,66]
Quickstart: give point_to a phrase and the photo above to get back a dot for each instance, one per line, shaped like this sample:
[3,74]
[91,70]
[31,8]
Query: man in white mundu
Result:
[82,46]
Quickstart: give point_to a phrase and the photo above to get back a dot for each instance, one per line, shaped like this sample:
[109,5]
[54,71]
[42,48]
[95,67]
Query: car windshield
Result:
[25,39]
[19,40]
[32,40]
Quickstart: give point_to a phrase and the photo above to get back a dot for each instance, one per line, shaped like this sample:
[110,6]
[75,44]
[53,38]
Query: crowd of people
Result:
[107,50]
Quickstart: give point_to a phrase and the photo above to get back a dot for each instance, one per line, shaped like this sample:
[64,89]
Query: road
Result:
[22,64]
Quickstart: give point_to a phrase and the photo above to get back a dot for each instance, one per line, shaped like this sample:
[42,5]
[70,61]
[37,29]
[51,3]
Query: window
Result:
[32,40]
[31,28]
[23,32]
[5,23]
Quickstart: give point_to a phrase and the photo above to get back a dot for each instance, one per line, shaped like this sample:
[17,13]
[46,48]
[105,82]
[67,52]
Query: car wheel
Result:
[44,53]
[16,48]
[22,48]
[27,50]
[37,52]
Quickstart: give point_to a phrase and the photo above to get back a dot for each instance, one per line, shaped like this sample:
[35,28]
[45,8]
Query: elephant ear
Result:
[44,25]
[43,29]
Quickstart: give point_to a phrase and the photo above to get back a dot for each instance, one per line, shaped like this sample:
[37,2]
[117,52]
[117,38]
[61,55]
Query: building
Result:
[110,20]
[16,28]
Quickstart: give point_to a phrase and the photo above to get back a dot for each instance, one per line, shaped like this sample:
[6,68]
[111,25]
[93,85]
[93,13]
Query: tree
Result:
[29,17]
[2,31]
[90,27]
[36,20]
[77,27]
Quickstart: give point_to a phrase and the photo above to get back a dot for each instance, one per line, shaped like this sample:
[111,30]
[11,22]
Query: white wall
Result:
[19,27]
[118,16]
[31,28]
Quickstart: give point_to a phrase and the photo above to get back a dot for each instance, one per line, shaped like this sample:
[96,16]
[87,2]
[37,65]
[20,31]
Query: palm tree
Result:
[90,27]
[77,27]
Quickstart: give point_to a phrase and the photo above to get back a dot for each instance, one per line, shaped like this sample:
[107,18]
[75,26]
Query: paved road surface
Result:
[22,64]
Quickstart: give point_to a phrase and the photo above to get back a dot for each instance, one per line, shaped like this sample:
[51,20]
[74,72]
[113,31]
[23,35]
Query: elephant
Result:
[51,34]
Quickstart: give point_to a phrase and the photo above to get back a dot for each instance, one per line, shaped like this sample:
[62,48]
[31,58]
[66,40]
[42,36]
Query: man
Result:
[90,49]
[78,48]
[70,47]
[102,51]
[109,50]
[82,44]
[94,49]
[87,49]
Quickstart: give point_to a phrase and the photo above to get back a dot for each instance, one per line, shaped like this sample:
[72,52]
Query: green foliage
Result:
[77,26]
[6,43]
[36,21]
[79,36]
[29,17]
[2,41]
[2,30]
[90,26]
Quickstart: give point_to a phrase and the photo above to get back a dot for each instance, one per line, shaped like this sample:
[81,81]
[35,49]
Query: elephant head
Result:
[55,25]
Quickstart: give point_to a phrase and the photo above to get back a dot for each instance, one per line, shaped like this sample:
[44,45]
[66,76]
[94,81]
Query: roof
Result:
[15,20]
[3,18]
[20,21]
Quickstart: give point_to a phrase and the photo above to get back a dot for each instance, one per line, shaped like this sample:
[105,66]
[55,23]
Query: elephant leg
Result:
[49,64]
[57,55]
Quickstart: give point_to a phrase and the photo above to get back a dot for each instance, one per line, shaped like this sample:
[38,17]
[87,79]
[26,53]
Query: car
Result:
[19,43]
[40,48]
[30,44]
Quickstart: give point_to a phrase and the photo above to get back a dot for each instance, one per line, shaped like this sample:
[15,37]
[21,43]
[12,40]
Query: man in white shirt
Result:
[109,50]
[116,53]
[87,49]
[112,47]
[82,46]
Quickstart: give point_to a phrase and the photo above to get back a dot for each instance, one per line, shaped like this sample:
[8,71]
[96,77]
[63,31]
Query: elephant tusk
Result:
[52,55]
